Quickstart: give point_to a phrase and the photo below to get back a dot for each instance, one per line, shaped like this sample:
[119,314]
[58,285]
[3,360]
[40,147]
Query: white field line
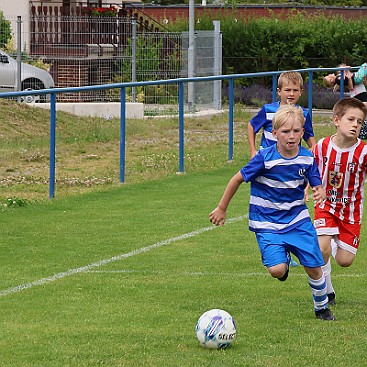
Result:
[97,264]
[183,274]
[221,275]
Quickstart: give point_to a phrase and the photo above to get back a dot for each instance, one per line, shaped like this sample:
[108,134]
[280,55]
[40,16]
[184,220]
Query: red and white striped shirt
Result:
[343,173]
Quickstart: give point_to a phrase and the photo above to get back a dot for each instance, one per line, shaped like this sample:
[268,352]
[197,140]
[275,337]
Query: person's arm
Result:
[319,194]
[360,74]
[309,135]
[218,215]
[311,142]
[314,179]
[254,126]
[251,139]
[348,76]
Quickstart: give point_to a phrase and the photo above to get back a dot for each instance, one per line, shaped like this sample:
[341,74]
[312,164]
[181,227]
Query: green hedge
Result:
[267,44]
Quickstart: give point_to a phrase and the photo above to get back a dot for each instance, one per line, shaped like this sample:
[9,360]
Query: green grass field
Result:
[118,276]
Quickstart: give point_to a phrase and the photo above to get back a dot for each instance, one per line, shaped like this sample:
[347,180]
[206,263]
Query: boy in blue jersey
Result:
[278,214]
[290,87]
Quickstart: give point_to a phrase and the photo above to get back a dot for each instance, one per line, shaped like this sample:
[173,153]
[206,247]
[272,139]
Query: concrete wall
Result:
[11,12]
[104,110]
[22,6]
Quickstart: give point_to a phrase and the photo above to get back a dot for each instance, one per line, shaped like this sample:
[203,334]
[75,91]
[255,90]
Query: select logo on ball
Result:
[215,329]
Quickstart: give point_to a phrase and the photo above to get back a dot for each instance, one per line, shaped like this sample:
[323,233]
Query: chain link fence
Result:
[80,50]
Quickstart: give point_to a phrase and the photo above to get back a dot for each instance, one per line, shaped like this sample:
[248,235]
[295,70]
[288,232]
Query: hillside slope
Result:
[88,150]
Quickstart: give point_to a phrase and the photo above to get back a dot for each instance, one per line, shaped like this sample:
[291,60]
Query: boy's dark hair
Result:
[344,104]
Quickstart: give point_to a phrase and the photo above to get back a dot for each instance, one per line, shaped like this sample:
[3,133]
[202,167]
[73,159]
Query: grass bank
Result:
[87,150]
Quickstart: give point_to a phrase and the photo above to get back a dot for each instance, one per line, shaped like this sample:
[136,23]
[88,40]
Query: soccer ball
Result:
[215,329]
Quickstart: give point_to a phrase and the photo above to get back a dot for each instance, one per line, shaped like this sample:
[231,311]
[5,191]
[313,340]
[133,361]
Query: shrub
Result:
[300,41]
[257,95]
[5,30]
[322,98]
[253,95]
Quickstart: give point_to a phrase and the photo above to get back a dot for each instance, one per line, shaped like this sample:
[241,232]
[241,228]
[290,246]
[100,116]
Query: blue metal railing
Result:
[181,82]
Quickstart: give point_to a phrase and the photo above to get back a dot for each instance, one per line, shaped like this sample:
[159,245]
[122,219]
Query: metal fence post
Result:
[52,144]
[217,96]
[181,92]
[122,133]
[341,86]
[191,58]
[133,60]
[19,55]
[230,120]
[310,82]
[274,87]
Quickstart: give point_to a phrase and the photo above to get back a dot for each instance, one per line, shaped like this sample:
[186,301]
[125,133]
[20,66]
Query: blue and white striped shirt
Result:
[277,202]
[264,118]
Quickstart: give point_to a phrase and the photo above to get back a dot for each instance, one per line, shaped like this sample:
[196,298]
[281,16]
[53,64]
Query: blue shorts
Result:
[301,241]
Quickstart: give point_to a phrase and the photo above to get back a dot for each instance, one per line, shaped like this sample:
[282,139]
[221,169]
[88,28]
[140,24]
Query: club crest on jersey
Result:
[351,166]
[335,179]
[301,172]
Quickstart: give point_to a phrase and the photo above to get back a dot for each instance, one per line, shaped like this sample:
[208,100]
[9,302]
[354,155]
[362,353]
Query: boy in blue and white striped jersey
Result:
[290,88]
[278,213]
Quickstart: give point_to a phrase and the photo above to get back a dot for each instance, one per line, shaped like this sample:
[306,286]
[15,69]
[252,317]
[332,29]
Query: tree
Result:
[5,30]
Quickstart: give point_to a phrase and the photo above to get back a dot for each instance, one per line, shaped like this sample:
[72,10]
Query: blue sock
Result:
[319,293]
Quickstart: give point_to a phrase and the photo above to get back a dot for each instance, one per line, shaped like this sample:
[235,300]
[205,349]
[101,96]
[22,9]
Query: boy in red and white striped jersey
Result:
[342,162]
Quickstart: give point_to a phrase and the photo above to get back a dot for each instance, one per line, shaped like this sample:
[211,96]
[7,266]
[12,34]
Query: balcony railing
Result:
[62,31]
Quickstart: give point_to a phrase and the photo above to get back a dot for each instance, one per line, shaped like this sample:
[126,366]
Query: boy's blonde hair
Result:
[328,83]
[343,105]
[284,113]
[290,77]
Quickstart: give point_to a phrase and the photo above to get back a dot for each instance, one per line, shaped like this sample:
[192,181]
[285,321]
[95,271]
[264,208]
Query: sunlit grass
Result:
[117,275]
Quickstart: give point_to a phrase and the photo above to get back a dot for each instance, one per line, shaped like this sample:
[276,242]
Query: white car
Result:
[33,78]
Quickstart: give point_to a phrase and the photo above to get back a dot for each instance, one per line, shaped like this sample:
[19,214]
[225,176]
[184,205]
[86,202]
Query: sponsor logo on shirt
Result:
[335,197]
[319,223]
[351,167]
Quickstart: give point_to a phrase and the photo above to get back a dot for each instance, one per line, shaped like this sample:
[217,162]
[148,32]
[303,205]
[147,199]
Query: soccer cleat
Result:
[325,314]
[285,276]
[331,299]
[293,262]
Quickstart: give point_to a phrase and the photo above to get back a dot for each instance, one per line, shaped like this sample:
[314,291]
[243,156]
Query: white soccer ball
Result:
[216,329]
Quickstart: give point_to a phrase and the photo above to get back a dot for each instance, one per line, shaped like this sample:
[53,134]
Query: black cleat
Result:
[325,314]
[285,276]
[331,299]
